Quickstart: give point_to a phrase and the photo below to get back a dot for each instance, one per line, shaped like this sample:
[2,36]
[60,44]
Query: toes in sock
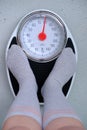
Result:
[18,64]
[64,67]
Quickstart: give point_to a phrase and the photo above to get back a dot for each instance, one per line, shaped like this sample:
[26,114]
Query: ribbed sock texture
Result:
[26,103]
[55,103]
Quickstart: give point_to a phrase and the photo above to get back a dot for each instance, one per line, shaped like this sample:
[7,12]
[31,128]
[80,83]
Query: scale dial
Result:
[42,35]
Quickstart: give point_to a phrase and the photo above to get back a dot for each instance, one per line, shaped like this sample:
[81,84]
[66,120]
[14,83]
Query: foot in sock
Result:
[18,64]
[26,103]
[64,68]
[55,104]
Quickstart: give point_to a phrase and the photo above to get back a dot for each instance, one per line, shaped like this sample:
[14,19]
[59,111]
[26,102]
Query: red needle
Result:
[42,36]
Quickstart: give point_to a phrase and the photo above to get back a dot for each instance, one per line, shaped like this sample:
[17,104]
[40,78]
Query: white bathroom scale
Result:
[43,35]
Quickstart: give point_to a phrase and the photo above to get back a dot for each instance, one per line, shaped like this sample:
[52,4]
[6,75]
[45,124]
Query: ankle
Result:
[50,87]
[29,84]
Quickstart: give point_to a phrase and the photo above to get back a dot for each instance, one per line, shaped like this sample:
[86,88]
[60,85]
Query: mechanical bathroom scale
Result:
[43,35]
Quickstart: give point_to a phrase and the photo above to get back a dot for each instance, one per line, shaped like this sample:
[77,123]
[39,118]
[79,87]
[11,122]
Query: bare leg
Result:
[65,124]
[19,128]
[21,123]
[24,112]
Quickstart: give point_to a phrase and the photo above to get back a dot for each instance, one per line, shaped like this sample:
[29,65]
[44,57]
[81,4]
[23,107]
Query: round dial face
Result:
[42,36]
